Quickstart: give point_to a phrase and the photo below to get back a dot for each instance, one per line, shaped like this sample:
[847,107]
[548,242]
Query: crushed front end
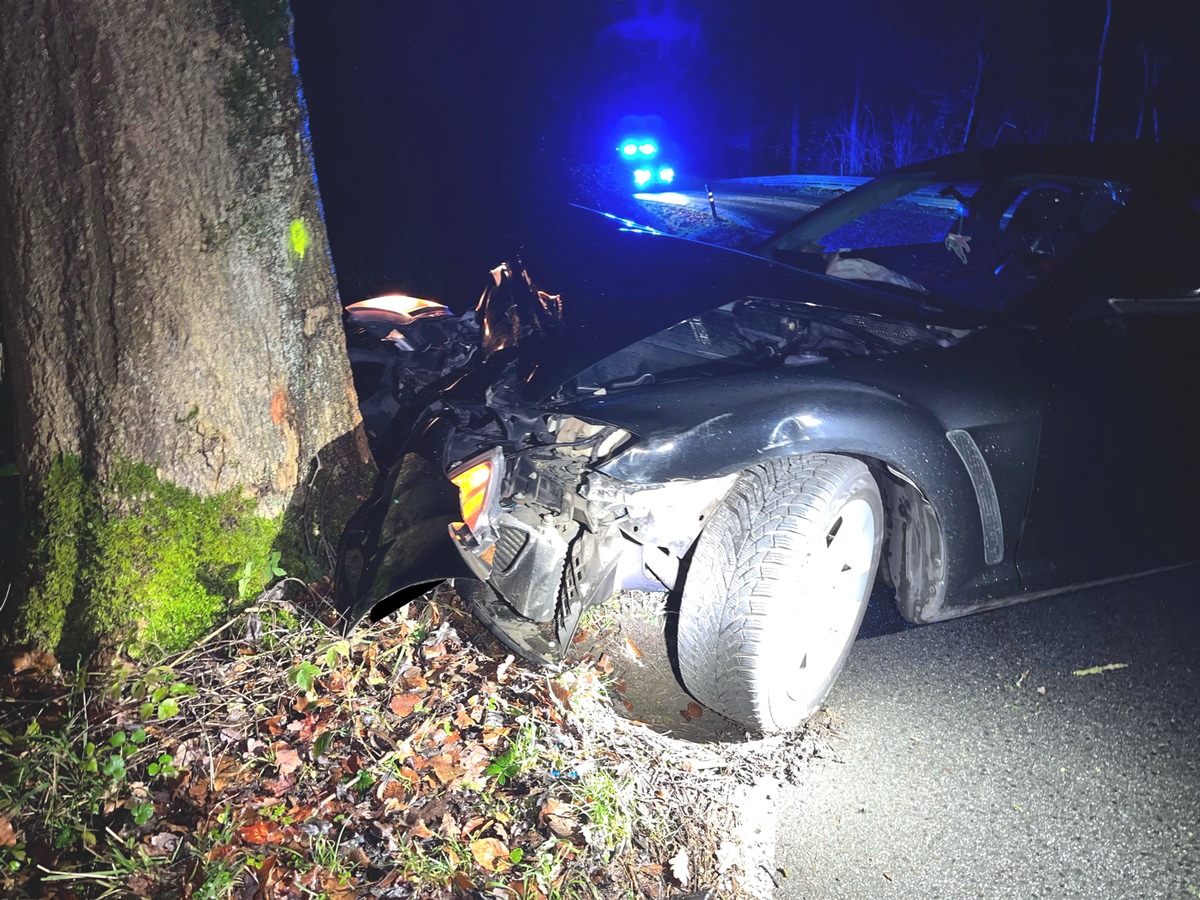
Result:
[513,508]
[509,471]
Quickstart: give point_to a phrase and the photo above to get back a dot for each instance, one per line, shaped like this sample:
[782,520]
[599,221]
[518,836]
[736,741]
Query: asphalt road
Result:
[966,760]
[973,763]
[764,210]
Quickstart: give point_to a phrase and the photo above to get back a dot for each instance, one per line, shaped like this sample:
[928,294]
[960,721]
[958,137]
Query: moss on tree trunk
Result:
[138,560]
[171,327]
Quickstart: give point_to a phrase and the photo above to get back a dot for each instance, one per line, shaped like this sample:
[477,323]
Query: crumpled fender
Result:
[699,430]
[397,547]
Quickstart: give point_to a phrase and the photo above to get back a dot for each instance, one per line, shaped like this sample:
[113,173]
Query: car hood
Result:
[594,284]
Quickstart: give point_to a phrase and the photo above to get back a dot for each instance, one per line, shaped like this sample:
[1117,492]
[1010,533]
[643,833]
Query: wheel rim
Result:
[836,578]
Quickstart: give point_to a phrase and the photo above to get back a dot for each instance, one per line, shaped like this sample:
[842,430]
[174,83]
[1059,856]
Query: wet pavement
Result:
[969,759]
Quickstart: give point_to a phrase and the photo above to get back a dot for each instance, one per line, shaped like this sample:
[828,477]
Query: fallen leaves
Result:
[8,837]
[258,833]
[403,704]
[369,755]
[679,864]
[632,651]
[491,855]
[560,818]
[286,758]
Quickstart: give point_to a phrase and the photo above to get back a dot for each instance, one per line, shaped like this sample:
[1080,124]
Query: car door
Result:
[1164,341]
[1117,485]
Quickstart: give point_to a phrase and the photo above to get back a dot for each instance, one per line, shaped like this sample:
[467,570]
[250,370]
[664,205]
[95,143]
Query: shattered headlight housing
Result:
[478,480]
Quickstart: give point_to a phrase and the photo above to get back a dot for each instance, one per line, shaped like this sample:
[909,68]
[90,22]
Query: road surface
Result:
[765,210]
[970,761]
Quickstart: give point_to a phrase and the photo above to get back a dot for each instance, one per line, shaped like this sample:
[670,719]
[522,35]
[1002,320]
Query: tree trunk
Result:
[1141,115]
[1100,71]
[855,147]
[1154,98]
[794,146]
[980,62]
[168,296]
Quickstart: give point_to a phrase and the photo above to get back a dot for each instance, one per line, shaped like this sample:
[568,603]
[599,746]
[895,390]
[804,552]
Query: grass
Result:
[283,757]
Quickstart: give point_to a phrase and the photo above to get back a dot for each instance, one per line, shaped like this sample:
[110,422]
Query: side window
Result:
[1054,217]
[922,216]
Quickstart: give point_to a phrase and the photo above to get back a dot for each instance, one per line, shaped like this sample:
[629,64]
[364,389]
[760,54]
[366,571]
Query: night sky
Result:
[440,130]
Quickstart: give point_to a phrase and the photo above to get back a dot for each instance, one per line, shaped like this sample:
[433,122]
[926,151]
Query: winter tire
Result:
[777,588]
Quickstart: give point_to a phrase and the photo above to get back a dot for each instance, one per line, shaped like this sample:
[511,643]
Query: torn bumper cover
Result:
[507,534]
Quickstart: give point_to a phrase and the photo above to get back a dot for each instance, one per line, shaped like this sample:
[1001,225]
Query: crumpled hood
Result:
[592,284]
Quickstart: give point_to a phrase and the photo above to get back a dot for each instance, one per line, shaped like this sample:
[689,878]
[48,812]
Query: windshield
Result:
[981,246]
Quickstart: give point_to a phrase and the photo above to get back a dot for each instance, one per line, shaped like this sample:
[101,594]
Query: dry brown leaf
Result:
[409,773]
[304,728]
[446,767]
[694,711]
[559,818]
[492,736]
[463,719]
[562,693]
[414,680]
[473,824]
[279,787]
[225,771]
[162,844]
[491,855]
[287,759]
[197,793]
[38,662]
[474,761]
[418,830]
[391,790]
[258,833]
[8,837]
[403,704]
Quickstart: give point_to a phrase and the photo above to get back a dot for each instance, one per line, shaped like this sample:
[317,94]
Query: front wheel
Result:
[777,589]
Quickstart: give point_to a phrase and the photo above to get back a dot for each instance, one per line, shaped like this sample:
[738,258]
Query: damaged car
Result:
[973,378]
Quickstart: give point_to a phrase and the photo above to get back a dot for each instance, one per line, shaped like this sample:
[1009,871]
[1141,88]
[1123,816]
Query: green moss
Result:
[141,560]
[266,21]
[58,536]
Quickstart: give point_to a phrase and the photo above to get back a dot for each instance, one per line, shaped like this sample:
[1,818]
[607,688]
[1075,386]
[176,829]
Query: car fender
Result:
[396,547]
[707,429]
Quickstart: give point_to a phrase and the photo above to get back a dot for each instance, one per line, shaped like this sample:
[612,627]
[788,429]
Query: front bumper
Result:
[528,580]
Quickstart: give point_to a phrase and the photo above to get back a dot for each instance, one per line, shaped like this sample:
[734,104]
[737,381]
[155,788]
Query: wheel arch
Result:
[934,543]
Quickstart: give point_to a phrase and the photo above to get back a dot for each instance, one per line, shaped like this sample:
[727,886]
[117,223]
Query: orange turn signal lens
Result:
[472,487]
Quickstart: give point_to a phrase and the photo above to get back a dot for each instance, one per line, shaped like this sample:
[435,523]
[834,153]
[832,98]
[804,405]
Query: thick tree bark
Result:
[167,291]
